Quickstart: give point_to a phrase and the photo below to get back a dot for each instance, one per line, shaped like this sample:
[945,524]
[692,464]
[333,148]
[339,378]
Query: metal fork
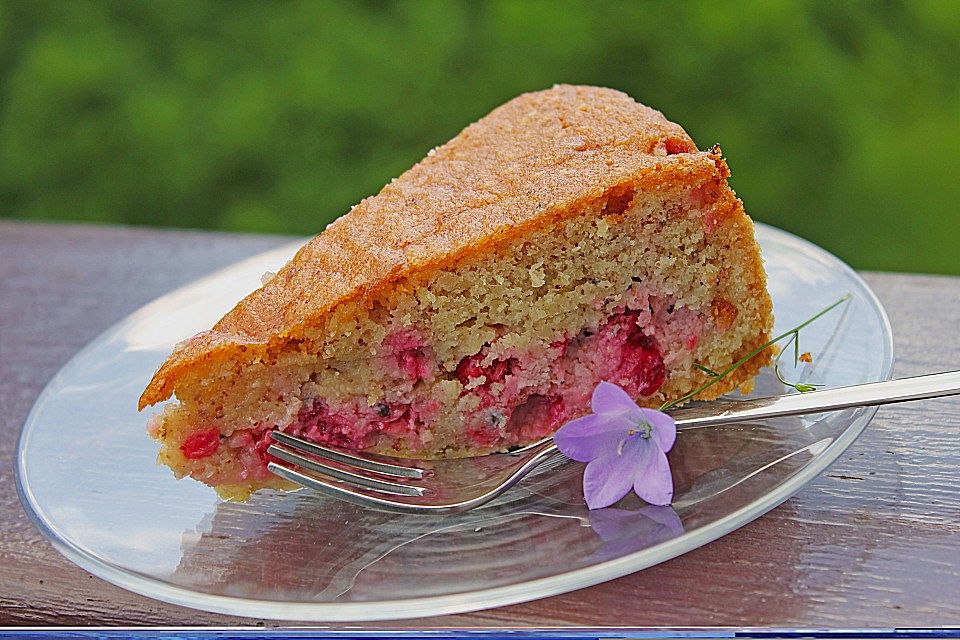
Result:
[444,486]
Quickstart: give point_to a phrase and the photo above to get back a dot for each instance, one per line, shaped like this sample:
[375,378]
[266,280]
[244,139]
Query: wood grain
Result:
[875,541]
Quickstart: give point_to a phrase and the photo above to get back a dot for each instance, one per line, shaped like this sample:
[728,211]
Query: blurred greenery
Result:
[840,120]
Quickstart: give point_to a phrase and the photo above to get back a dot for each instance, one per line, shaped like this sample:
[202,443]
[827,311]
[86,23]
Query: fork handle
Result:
[861,395]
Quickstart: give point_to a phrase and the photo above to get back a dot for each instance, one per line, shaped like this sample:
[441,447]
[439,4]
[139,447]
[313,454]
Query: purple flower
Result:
[625,446]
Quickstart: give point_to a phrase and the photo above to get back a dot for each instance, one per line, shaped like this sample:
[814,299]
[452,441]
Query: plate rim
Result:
[446,604]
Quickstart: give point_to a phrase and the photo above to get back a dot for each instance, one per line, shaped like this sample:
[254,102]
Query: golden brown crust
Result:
[537,158]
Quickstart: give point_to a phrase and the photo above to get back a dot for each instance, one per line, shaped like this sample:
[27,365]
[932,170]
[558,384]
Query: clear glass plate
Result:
[87,475]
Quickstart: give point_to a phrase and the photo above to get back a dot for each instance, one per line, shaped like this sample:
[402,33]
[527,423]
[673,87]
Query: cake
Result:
[571,236]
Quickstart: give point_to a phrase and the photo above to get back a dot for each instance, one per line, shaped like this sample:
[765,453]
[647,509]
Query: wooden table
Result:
[874,542]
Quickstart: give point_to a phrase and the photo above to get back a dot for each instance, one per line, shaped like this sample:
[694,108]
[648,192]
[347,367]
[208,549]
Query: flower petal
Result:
[589,437]
[664,428]
[653,481]
[594,424]
[609,477]
[610,400]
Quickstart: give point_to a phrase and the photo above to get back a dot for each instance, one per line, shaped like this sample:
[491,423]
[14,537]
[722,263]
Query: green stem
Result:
[709,372]
[669,405]
[802,387]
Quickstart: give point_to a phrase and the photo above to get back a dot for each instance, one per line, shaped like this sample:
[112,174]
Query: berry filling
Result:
[480,380]
[515,408]
[538,417]
[201,444]
[407,352]
[641,367]
[512,399]
[353,427]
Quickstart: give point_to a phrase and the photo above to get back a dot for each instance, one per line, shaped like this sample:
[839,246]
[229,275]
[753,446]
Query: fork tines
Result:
[329,468]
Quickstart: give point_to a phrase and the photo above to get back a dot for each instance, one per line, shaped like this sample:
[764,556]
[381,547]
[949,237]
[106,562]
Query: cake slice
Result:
[570,236]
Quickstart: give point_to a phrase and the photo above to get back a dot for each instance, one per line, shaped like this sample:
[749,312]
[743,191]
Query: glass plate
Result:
[87,475]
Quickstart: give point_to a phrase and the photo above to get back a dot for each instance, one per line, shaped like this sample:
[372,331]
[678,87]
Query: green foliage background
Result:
[840,120]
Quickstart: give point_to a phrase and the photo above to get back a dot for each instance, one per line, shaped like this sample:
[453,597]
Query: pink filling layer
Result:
[619,352]
[201,444]
[408,353]
[511,407]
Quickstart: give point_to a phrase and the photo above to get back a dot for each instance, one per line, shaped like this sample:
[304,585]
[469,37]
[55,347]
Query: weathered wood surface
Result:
[873,542]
